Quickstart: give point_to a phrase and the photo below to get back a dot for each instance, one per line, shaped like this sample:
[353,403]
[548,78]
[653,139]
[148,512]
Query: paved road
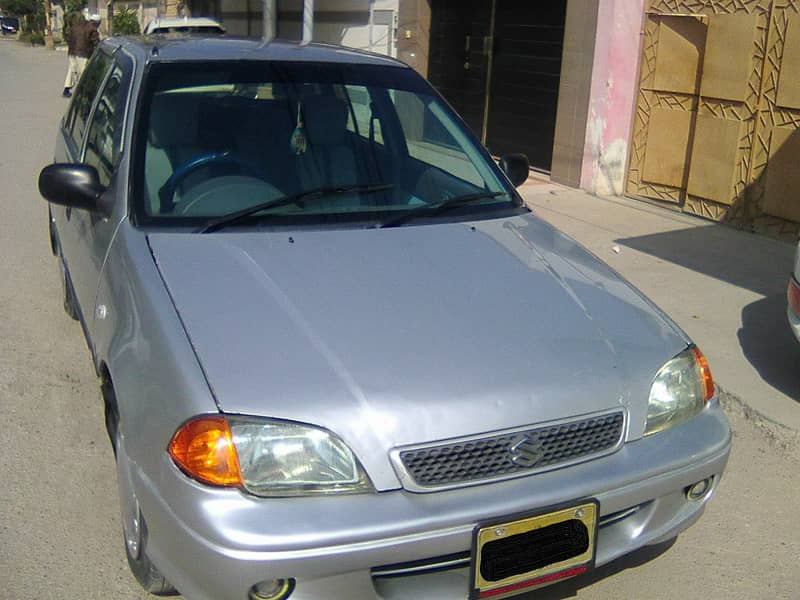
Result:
[59,528]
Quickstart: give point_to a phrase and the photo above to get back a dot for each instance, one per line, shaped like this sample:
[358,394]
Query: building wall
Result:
[343,22]
[574,92]
[414,33]
[597,91]
[612,95]
[717,129]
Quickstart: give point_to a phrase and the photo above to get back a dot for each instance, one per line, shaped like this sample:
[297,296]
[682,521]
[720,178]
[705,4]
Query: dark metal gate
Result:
[498,62]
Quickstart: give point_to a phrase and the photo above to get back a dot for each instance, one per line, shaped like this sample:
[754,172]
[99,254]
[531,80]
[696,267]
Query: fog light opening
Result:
[700,490]
[271,589]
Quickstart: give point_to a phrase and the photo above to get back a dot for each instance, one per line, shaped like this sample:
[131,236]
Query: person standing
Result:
[82,39]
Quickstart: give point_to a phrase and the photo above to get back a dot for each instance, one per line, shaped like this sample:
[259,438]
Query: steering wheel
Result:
[227,158]
[224,194]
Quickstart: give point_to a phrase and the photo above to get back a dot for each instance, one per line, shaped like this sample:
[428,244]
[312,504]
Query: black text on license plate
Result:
[529,552]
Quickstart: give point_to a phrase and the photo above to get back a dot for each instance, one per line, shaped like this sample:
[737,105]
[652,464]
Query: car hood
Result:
[413,334]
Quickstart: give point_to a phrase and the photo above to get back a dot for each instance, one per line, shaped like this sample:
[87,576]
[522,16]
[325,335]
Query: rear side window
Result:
[105,132]
[85,93]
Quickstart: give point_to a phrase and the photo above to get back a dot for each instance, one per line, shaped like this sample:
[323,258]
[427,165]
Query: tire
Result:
[134,527]
[143,569]
[70,304]
[110,410]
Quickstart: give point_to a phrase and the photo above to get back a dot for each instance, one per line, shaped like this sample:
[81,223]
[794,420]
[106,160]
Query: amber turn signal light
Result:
[705,372]
[203,448]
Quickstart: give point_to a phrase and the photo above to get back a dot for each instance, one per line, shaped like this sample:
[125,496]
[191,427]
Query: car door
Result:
[92,133]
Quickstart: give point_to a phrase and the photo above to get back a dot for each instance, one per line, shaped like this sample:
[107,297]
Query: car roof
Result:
[216,47]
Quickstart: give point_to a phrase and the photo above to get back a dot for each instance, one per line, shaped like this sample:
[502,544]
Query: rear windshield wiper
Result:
[298,199]
[431,210]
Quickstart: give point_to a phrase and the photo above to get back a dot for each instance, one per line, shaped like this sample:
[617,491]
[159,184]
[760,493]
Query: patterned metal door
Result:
[718,110]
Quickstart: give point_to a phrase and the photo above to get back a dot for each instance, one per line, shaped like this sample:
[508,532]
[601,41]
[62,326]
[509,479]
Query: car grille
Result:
[510,454]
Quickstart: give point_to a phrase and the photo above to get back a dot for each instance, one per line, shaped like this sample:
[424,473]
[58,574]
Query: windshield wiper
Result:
[299,199]
[431,210]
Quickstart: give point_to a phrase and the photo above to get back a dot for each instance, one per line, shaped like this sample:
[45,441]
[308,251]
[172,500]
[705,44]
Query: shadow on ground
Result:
[571,587]
[769,345]
[746,260]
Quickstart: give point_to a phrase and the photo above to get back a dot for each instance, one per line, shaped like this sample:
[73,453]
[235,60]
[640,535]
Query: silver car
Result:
[339,357]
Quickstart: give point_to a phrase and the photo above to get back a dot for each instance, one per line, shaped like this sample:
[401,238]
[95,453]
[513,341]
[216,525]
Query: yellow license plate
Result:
[515,555]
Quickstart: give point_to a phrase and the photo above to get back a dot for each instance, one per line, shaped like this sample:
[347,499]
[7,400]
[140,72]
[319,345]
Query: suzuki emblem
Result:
[525,452]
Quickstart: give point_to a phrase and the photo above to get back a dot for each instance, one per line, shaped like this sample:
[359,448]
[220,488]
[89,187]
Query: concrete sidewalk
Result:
[726,288]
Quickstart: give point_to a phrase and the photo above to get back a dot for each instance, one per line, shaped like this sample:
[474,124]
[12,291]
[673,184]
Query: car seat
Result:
[172,139]
[329,159]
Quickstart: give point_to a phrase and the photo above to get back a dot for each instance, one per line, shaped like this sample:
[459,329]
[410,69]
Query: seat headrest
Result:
[325,119]
[173,120]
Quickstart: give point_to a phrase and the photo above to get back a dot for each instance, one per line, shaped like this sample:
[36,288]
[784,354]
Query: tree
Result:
[126,22]
[71,6]
[20,8]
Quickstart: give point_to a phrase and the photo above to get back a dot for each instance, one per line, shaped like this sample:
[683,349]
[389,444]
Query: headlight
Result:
[280,458]
[679,391]
[266,457]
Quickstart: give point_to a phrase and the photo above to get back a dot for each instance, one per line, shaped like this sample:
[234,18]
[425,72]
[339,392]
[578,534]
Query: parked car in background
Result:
[9,25]
[793,296]
[201,25]
[339,357]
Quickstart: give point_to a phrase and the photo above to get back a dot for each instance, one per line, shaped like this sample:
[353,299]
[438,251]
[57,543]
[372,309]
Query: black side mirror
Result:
[517,167]
[74,185]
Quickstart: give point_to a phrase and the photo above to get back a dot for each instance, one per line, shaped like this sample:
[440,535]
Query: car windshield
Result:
[366,142]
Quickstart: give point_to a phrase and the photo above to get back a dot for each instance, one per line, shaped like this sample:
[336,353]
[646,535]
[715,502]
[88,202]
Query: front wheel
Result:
[145,572]
[134,528]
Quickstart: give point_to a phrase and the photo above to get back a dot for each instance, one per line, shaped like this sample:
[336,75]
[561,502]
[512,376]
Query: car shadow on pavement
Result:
[769,345]
[745,260]
[748,261]
[571,587]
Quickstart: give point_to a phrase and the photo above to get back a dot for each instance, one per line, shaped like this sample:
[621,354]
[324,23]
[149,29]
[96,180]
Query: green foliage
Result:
[20,7]
[36,22]
[71,6]
[126,22]
[34,39]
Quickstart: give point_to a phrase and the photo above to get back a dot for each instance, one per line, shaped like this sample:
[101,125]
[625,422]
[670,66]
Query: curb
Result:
[782,435]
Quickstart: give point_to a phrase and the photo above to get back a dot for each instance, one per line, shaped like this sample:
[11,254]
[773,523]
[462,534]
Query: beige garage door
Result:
[718,113]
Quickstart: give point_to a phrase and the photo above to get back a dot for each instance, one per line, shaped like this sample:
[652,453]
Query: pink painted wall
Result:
[612,96]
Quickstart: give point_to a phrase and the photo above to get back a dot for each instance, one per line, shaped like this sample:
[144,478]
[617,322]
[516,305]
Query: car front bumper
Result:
[214,544]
